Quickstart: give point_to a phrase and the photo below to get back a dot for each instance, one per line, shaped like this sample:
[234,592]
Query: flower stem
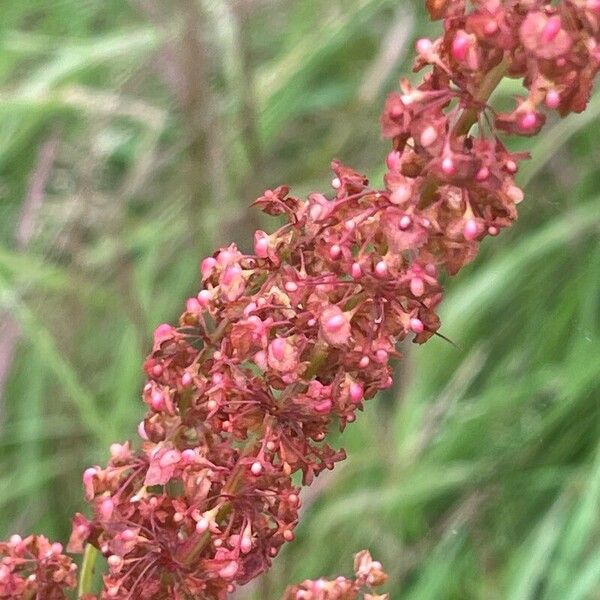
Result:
[86,575]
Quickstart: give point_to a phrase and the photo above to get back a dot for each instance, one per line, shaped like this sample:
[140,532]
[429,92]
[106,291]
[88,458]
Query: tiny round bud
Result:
[186,379]
[416,325]
[323,406]
[356,392]
[293,499]
[335,323]
[335,251]
[511,166]
[106,508]
[202,525]
[157,370]
[157,400]
[15,539]
[405,222]
[493,231]
[424,46]
[141,429]
[393,160]
[491,27]
[193,305]
[417,287]
[381,356]
[114,561]
[291,286]
[482,174]
[448,166]
[256,468]
[471,230]
[245,545]
[204,298]
[428,136]
[381,268]
[460,46]
[527,121]
[207,266]
[288,535]
[350,225]
[402,194]
[552,99]
[336,184]
[356,271]
[515,194]
[188,455]
[363,363]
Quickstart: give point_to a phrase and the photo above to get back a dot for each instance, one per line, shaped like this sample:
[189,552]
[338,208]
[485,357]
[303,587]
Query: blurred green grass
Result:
[133,137]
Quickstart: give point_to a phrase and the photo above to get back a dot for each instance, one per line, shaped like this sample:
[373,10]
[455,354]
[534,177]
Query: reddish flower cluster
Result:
[368,574]
[284,343]
[34,568]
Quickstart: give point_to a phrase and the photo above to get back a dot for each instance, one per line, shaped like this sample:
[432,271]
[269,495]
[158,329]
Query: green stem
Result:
[86,575]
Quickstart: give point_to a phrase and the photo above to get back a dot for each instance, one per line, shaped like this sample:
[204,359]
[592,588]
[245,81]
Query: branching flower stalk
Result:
[281,345]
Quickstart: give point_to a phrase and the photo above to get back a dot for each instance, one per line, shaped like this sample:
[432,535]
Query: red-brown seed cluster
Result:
[282,344]
[368,575]
[35,568]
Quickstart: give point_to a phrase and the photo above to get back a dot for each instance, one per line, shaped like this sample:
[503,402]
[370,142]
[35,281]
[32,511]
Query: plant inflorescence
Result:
[281,345]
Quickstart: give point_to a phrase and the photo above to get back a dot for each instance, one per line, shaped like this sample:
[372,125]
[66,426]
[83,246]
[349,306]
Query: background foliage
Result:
[133,137]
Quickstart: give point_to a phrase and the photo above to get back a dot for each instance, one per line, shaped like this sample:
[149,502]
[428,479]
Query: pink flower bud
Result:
[405,222]
[515,194]
[169,458]
[428,136]
[193,306]
[229,570]
[448,166]
[460,46]
[424,46]
[393,160]
[551,29]
[381,356]
[157,400]
[416,326]
[188,456]
[335,251]
[261,244]
[288,535]
[482,174]
[323,407]
[114,562]
[363,363]
[493,231]
[381,269]
[356,392]
[336,183]
[256,468]
[471,230]
[335,326]
[106,508]
[490,28]
[245,545]
[417,287]
[552,99]
[202,525]
[356,271]
[204,298]
[157,370]
[207,266]
[142,431]
[402,194]
[186,379]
